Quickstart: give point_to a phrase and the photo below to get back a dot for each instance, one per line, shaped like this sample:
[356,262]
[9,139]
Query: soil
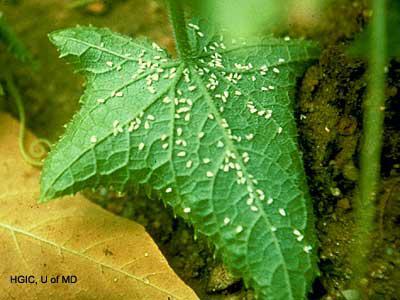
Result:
[329,115]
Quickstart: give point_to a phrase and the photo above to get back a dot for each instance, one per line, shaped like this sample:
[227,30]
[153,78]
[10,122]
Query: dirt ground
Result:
[330,126]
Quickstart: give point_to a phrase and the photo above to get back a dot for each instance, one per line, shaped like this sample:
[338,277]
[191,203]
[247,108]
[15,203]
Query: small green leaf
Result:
[214,136]
[14,44]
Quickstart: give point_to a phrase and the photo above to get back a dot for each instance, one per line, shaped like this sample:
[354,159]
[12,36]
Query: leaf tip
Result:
[46,193]
[44,196]
[55,37]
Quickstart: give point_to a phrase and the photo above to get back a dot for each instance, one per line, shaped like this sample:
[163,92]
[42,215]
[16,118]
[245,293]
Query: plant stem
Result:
[177,18]
[373,119]
[34,158]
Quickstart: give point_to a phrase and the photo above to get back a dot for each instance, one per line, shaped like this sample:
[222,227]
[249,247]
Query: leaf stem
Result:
[177,18]
[373,120]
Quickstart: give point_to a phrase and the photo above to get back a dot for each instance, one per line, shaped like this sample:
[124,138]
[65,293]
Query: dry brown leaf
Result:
[113,258]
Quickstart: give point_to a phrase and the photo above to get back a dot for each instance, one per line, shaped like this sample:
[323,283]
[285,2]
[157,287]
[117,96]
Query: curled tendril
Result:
[37,149]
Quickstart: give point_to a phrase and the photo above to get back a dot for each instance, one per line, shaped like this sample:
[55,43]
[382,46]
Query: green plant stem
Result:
[177,18]
[373,119]
[31,159]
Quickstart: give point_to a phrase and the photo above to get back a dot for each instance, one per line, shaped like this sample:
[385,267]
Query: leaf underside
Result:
[214,136]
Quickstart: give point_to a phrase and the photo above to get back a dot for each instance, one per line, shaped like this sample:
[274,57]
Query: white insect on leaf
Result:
[213,135]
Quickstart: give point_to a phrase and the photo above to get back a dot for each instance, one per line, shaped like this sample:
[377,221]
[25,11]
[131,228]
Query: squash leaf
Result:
[214,136]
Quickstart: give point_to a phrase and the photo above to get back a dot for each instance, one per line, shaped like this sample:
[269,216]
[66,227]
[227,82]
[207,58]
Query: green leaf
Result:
[214,136]
[14,44]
